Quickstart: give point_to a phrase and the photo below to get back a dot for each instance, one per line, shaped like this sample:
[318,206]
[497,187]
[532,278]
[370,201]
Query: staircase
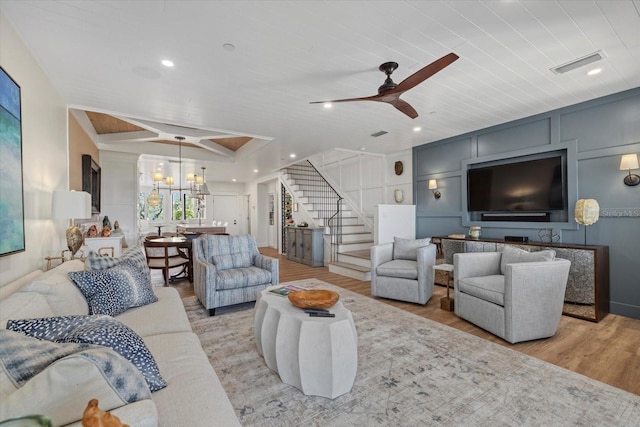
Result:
[350,240]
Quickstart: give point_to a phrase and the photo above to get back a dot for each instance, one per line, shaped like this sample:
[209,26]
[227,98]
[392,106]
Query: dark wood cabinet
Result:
[587,293]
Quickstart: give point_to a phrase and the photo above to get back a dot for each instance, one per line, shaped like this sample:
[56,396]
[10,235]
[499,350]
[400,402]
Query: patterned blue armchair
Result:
[229,270]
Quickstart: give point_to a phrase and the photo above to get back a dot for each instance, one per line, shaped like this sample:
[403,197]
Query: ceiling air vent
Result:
[379,133]
[577,63]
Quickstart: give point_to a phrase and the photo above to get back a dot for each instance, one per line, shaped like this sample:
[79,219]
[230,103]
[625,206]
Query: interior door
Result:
[225,209]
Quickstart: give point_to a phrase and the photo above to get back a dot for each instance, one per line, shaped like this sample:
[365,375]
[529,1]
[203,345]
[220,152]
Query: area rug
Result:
[411,372]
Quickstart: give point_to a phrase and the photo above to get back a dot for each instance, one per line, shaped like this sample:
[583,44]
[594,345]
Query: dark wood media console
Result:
[587,294]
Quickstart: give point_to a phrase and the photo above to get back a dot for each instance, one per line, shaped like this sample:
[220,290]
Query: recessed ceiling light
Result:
[292,155]
[363,148]
[160,164]
[327,105]
[167,63]
[233,179]
[255,170]
[417,129]
[594,72]
[228,47]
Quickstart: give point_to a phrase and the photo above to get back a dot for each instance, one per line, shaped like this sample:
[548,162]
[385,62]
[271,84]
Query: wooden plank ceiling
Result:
[106,124]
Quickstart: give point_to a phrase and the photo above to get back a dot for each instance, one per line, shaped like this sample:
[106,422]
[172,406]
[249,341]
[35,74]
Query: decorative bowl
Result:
[314,298]
[190,234]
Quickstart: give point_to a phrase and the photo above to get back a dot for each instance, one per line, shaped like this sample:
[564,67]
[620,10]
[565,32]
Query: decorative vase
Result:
[398,195]
[548,235]
[474,232]
[106,222]
[74,239]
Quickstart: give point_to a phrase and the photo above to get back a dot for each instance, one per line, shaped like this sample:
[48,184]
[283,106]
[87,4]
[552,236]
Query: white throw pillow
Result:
[24,305]
[513,255]
[408,248]
[61,293]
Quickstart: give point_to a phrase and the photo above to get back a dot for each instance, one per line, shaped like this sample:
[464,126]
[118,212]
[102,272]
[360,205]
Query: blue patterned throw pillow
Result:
[99,330]
[114,290]
[135,255]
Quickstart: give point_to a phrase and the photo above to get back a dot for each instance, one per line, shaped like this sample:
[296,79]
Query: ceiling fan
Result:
[390,92]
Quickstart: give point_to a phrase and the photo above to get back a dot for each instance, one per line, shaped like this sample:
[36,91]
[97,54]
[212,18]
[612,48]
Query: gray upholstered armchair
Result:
[229,270]
[514,294]
[403,270]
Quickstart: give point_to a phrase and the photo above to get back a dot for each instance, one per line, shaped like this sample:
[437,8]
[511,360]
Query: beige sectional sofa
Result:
[193,395]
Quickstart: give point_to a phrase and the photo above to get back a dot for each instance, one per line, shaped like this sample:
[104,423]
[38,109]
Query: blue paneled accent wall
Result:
[594,134]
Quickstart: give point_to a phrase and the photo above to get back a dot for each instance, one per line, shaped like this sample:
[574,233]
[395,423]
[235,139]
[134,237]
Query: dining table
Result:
[183,245]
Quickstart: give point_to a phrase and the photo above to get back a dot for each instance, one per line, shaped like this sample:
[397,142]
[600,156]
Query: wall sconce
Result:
[433,186]
[629,162]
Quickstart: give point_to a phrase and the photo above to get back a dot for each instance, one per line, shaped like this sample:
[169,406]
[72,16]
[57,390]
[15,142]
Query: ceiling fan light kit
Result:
[390,92]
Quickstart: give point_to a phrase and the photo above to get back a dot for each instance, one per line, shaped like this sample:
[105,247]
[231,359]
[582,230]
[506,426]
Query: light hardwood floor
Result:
[608,351]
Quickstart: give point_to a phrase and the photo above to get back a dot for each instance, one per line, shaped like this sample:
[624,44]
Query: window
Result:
[194,207]
[147,212]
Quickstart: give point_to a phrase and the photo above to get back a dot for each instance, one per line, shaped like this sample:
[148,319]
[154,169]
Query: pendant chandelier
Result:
[197,186]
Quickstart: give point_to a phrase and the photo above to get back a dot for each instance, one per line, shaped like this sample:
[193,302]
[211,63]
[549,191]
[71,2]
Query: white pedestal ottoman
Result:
[317,355]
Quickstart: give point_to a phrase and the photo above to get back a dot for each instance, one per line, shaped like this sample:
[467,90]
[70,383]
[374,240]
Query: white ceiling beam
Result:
[191,134]
[216,148]
[137,136]
[84,122]
[165,151]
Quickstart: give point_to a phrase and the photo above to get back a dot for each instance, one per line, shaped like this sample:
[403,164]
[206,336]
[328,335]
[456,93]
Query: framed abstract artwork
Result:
[11,195]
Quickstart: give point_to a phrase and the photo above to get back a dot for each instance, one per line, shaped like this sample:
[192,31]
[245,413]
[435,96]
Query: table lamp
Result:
[72,205]
[587,213]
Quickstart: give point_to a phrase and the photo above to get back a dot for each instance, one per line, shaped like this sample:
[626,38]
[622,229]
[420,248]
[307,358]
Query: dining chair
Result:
[163,257]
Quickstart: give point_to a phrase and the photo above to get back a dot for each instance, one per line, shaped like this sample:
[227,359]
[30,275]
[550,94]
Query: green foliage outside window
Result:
[190,205]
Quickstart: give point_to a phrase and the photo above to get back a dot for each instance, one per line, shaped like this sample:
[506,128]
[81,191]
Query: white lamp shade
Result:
[71,205]
[204,189]
[157,177]
[433,184]
[587,211]
[628,162]
[191,177]
[169,180]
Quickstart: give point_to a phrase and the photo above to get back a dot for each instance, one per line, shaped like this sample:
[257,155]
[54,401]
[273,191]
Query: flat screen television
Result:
[536,185]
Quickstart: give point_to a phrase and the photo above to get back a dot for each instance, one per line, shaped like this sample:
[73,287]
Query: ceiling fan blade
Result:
[389,98]
[405,108]
[366,98]
[424,73]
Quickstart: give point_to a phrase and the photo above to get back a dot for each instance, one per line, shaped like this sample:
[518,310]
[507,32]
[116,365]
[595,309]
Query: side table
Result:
[65,255]
[113,244]
[50,259]
[446,303]
[318,356]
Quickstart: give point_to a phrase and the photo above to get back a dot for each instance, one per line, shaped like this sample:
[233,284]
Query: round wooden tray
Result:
[314,298]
